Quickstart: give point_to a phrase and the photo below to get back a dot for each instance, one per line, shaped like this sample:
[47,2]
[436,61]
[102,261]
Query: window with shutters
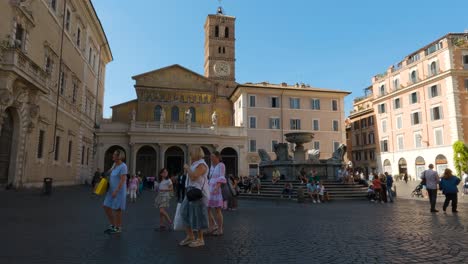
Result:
[382,109]
[434,91]
[371,138]
[315,104]
[252,145]
[400,142]
[438,135]
[399,122]
[315,125]
[364,123]
[370,121]
[416,118]
[317,145]
[414,98]
[294,103]
[384,145]
[417,140]
[275,123]
[252,100]
[295,124]
[364,138]
[334,105]
[252,122]
[384,126]
[436,113]
[335,125]
[397,103]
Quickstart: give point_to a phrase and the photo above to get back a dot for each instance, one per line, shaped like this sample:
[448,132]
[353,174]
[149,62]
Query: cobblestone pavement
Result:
[67,227]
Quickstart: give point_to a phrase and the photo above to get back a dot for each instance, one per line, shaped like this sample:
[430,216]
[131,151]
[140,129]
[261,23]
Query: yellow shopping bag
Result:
[101,188]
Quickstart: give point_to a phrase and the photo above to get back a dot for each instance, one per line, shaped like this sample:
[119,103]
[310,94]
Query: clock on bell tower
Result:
[220,56]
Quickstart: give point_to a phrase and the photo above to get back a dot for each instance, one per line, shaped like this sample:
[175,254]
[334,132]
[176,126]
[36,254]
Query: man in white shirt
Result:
[432,180]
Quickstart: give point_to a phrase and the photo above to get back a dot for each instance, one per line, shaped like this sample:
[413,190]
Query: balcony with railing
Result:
[107,126]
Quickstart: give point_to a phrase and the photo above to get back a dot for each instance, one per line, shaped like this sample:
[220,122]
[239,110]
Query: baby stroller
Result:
[418,191]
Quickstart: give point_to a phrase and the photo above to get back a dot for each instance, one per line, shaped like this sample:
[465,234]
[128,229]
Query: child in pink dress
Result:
[133,186]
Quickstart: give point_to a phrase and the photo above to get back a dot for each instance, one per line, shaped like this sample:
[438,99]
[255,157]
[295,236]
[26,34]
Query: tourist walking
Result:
[216,201]
[389,186]
[431,179]
[115,200]
[194,211]
[133,187]
[449,187]
[377,185]
[163,200]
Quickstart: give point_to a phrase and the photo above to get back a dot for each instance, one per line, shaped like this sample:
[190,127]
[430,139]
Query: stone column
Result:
[132,158]
[162,149]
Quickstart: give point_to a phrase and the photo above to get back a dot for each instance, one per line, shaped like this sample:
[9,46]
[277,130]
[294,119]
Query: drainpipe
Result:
[58,79]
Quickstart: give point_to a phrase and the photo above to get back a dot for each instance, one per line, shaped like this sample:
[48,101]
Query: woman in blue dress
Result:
[115,200]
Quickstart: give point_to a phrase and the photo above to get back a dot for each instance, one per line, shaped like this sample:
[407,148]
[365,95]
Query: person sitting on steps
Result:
[287,190]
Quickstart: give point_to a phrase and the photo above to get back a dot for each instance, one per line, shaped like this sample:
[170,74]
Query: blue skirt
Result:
[117,203]
[194,214]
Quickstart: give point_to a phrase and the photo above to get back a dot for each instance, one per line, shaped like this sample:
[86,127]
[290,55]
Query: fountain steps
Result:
[337,191]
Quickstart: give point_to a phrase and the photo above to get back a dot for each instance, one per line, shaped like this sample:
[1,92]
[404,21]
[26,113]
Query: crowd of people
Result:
[202,193]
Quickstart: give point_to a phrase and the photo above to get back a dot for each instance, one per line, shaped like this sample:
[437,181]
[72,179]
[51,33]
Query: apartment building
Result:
[421,107]
[53,57]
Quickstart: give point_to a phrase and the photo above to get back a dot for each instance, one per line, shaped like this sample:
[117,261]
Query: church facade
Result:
[177,108]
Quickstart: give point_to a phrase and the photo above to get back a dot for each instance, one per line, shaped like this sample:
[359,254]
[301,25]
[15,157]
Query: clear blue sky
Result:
[331,44]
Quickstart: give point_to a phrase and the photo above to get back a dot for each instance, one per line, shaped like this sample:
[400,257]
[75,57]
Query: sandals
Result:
[211,231]
[187,241]
[218,232]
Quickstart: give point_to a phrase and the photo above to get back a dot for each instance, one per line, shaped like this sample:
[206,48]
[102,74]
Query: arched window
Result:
[382,90]
[219,49]
[216,31]
[194,118]
[396,84]
[175,114]
[157,113]
[433,68]
[226,32]
[414,77]
[224,50]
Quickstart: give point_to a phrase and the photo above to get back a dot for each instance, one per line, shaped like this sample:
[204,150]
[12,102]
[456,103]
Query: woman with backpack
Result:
[449,187]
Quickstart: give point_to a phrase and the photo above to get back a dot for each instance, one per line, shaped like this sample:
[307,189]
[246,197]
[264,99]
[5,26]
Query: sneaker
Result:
[110,228]
[314,201]
[434,211]
[454,211]
[186,242]
[372,200]
[318,201]
[116,230]
[197,243]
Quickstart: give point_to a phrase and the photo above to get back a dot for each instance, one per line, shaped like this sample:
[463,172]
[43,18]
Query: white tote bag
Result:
[178,225]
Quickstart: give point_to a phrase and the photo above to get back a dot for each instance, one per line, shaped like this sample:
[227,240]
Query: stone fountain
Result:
[290,167]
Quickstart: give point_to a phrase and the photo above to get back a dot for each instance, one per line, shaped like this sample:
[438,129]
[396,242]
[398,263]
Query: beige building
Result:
[53,56]
[177,108]
[362,134]
[269,111]
[421,107]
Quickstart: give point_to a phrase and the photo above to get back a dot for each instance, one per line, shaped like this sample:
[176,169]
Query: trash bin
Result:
[47,188]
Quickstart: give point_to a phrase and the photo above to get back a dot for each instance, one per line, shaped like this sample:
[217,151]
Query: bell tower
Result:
[220,53]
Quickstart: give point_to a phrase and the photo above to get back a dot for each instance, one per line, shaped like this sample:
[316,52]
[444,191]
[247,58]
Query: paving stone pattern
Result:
[67,227]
